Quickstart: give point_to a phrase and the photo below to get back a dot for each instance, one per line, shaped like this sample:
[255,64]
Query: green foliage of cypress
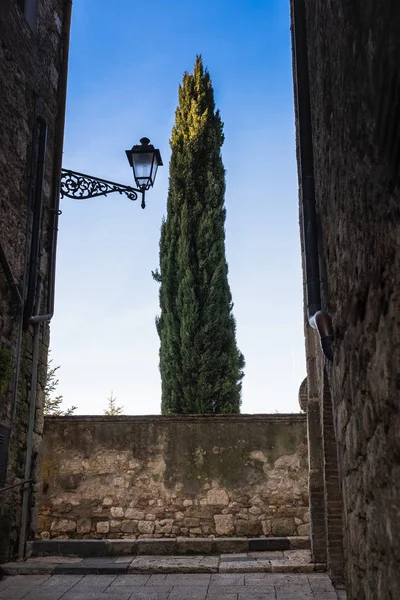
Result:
[201,366]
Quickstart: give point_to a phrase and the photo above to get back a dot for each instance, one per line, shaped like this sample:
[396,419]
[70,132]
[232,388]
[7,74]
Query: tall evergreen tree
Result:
[201,366]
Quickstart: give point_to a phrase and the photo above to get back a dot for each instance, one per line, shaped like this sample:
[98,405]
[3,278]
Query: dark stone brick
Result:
[69,548]
[270,543]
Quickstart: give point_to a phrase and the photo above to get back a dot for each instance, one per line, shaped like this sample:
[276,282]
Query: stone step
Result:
[291,561]
[162,546]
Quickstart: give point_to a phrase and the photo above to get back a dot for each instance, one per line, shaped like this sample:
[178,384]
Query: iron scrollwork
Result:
[80,187]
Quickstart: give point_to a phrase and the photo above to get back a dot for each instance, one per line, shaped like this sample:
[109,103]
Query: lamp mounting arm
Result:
[80,186]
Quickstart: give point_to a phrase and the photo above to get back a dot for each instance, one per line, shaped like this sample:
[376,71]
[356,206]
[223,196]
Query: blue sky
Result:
[125,68]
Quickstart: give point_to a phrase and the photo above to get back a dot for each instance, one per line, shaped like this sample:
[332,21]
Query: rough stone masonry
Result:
[32,52]
[196,476]
[354,84]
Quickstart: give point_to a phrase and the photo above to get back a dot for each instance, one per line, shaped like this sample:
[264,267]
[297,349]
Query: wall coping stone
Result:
[268,418]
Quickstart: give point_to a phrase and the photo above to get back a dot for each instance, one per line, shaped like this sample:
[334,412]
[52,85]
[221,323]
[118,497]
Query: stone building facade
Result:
[171,476]
[33,69]
[351,135]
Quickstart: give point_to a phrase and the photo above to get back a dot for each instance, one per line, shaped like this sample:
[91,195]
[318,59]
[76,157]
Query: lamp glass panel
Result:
[142,162]
[154,170]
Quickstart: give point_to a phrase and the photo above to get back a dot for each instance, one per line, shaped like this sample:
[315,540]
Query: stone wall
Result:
[354,57]
[231,475]
[30,59]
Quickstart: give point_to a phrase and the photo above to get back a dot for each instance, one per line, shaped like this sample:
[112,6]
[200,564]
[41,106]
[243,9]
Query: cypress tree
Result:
[201,366]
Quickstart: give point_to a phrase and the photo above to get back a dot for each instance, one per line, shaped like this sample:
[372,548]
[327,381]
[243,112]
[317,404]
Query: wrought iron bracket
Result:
[80,186]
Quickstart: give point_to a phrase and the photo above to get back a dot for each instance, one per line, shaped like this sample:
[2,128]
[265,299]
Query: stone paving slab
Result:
[27,568]
[227,579]
[269,555]
[250,566]
[207,586]
[100,568]
[174,564]
[56,559]
[133,580]
[236,558]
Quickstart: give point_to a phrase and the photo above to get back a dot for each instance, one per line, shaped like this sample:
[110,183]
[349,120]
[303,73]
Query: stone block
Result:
[248,527]
[266,527]
[271,543]
[193,545]
[187,522]
[117,511]
[217,497]
[306,517]
[121,547]
[83,525]
[156,546]
[133,513]
[230,545]
[200,512]
[195,530]
[164,526]
[283,526]
[129,527]
[175,564]
[63,526]
[80,548]
[224,524]
[304,530]
[115,526]
[247,566]
[146,526]
[103,527]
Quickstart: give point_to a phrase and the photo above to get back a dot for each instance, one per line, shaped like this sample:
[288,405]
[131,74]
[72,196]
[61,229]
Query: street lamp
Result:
[144,160]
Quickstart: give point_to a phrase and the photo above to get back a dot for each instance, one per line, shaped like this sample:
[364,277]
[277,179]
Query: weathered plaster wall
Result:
[29,80]
[354,56]
[243,475]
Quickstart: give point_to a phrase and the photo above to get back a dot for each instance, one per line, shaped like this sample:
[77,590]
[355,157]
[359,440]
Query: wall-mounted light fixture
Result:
[144,160]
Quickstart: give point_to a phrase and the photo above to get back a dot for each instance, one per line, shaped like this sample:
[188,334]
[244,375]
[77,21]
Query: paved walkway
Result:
[199,586]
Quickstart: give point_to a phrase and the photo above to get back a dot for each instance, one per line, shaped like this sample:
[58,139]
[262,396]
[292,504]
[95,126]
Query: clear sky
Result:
[125,66]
